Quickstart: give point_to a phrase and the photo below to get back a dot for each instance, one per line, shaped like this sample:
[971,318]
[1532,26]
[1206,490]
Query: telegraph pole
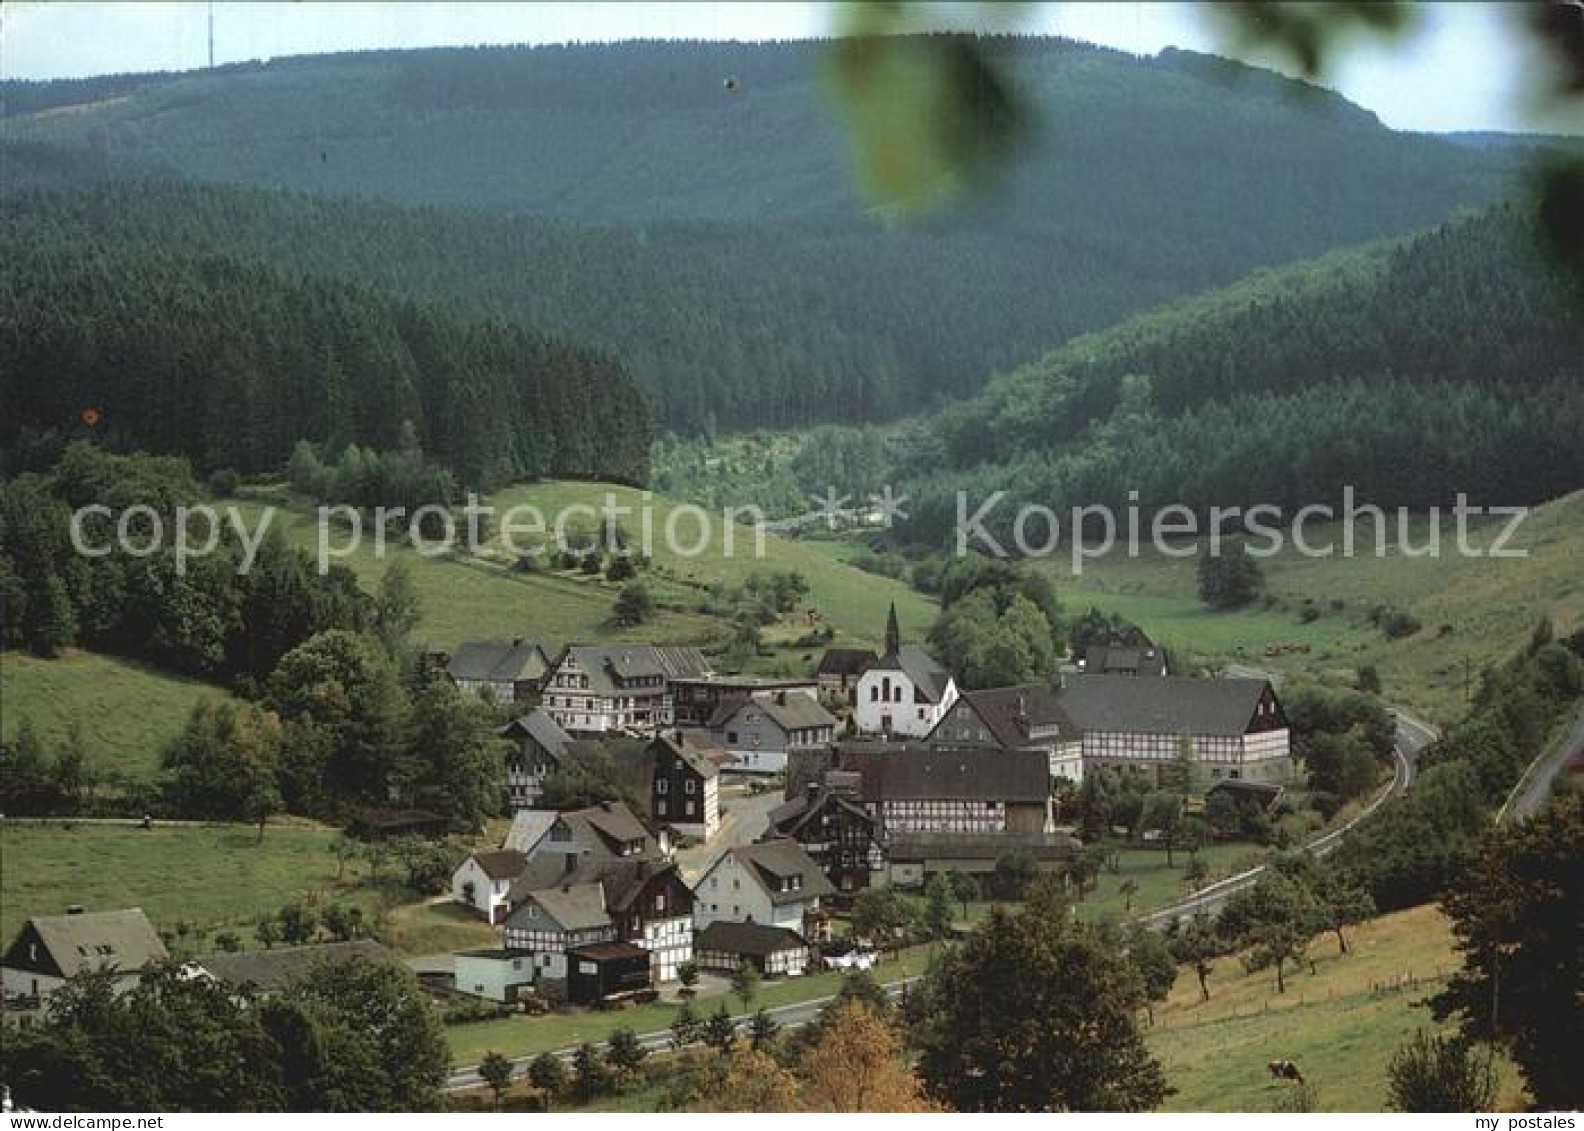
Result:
[211,35]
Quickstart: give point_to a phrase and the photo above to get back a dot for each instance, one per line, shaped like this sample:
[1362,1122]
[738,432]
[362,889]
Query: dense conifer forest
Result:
[1449,362]
[231,363]
[708,233]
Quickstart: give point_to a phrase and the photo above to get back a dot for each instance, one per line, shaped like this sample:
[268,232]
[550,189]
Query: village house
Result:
[498,974]
[505,671]
[695,699]
[641,902]
[608,972]
[484,881]
[269,971]
[911,858]
[775,952]
[828,819]
[839,670]
[905,692]
[538,746]
[684,783]
[1123,659]
[1231,728]
[773,883]
[760,732]
[912,788]
[1025,717]
[582,838]
[49,949]
[621,687]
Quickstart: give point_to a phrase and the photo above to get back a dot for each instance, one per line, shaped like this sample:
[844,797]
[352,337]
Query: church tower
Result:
[893,635]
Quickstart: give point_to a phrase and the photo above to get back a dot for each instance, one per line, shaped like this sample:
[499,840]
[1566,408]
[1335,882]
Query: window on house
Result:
[660,808]
[731,738]
[689,786]
[661,785]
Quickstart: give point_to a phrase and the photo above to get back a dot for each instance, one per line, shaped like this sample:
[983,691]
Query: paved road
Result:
[786,1016]
[1535,786]
[744,817]
[1412,737]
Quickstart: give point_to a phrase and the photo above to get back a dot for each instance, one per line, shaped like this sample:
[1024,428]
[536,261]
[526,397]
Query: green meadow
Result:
[1339,1023]
[127,711]
[1314,620]
[485,595]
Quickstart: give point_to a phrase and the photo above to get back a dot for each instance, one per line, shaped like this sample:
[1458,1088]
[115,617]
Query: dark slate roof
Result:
[754,939]
[572,906]
[1266,794]
[607,666]
[598,834]
[797,712]
[503,864]
[1117,659]
[922,669]
[846,661]
[790,817]
[703,758]
[771,860]
[613,821]
[1164,705]
[121,940]
[270,970]
[609,951]
[969,846]
[498,661]
[539,726]
[793,711]
[623,881]
[918,773]
[1009,712]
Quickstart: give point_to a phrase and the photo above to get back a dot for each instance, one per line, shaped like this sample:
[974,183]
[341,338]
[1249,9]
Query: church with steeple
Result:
[907,692]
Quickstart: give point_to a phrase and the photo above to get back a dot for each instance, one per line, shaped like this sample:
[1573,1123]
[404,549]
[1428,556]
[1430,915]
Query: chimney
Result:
[781,698]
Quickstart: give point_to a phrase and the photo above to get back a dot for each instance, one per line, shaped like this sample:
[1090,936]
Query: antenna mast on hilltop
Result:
[211,35]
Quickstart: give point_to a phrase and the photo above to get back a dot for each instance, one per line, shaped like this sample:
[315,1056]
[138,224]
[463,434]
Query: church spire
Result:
[893,637]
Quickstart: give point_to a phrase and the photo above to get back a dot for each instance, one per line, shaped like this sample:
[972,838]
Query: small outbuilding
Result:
[773,951]
[607,972]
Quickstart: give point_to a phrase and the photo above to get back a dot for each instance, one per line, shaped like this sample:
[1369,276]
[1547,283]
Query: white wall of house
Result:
[494,976]
[1257,756]
[1066,761]
[669,943]
[886,704]
[729,893]
[489,897]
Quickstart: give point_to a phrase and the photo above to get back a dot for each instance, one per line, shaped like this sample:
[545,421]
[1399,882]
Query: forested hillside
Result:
[1450,362]
[231,363]
[707,232]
